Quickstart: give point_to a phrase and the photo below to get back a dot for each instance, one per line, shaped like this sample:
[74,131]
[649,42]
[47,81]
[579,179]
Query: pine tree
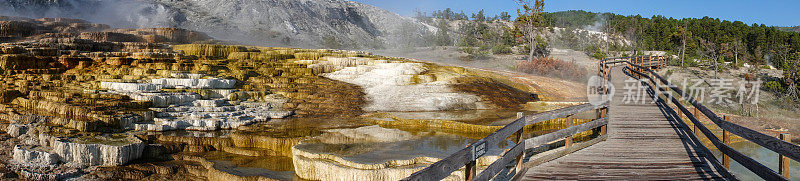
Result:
[442,37]
[529,21]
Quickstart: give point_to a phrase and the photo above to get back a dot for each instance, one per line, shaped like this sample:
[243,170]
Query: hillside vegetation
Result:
[709,43]
[790,29]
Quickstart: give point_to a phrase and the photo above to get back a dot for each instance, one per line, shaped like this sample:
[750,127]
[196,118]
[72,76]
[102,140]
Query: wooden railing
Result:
[662,88]
[467,157]
[653,62]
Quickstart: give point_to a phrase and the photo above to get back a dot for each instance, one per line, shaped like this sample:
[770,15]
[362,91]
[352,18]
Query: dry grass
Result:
[548,66]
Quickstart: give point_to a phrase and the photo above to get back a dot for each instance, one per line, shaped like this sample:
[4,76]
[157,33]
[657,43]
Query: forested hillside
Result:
[705,38]
[711,40]
[790,29]
[706,42]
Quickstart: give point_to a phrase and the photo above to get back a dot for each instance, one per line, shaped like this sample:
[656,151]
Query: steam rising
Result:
[118,13]
[599,24]
[337,24]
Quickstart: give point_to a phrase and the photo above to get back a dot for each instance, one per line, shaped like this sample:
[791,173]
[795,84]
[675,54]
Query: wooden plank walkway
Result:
[644,143]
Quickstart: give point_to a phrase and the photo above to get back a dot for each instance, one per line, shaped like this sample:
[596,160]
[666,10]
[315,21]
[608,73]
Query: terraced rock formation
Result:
[81,100]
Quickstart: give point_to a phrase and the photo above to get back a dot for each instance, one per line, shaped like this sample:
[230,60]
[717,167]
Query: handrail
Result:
[463,157]
[466,158]
[725,149]
[781,147]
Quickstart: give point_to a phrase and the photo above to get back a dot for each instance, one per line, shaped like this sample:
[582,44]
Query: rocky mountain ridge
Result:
[303,23]
[790,29]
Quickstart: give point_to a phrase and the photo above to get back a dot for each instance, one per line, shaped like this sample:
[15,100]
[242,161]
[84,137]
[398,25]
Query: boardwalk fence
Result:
[668,93]
[640,67]
[466,157]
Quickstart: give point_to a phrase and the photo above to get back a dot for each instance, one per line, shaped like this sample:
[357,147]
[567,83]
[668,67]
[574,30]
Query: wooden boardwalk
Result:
[644,143]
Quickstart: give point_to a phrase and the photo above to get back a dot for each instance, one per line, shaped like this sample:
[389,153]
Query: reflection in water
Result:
[763,155]
[265,149]
[273,163]
[430,144]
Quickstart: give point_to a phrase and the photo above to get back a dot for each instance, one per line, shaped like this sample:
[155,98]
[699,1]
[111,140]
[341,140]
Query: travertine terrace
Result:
[83,100]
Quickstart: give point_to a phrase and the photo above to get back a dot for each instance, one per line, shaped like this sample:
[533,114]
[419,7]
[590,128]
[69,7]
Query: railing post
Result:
[469,172]
[695,112]
[602,113]
[604,128]
[568,139]
[521,156]
[469,169]
[726,160]
[783,161]
[682,115]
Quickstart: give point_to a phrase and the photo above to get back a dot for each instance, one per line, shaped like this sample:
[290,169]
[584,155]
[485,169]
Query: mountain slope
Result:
[790,29]
[299,23]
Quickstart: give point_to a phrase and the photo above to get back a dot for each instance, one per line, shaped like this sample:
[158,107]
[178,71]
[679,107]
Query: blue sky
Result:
[769,12]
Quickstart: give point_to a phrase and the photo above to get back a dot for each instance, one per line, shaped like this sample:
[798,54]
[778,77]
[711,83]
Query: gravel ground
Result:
[772,113]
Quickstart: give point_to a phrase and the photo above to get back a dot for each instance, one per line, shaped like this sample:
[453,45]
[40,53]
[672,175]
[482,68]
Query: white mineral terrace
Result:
[188,83]
[192,111]
[375,153]
[78,152]
[192,116]
[391,87]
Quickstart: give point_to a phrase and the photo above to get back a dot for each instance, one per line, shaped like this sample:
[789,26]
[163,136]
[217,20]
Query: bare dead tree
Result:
[710,51]
[725,50]
[684,31]
[783,52]
[737,47]
[632,33]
